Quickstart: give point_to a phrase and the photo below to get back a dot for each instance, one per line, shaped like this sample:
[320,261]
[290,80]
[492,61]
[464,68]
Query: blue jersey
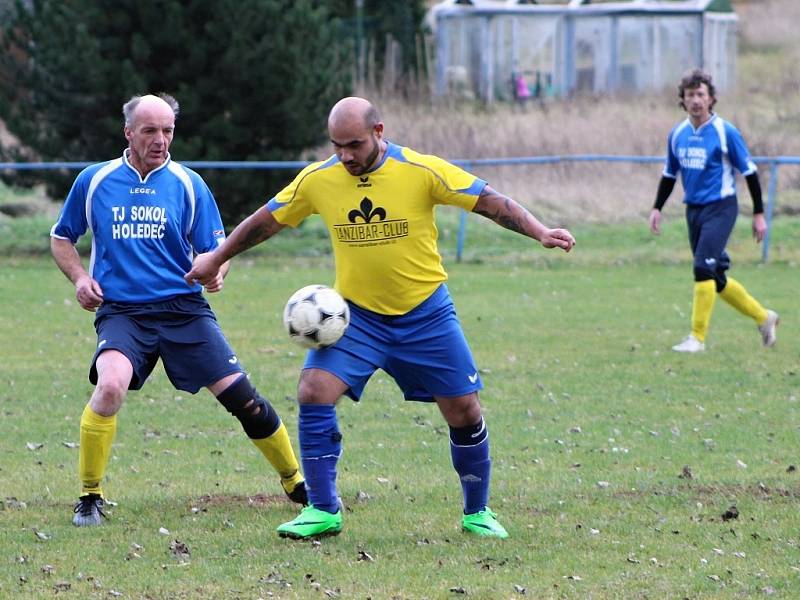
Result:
[144,231]
[706,158]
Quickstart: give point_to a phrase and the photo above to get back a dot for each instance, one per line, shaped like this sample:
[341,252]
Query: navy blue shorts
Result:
[710,227]
[424,351]
[183,332]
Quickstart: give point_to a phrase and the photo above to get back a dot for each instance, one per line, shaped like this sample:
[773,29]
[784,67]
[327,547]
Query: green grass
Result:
[581,388]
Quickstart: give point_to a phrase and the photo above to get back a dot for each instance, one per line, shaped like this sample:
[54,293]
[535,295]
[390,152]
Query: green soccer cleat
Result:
[483,523]
[312,523]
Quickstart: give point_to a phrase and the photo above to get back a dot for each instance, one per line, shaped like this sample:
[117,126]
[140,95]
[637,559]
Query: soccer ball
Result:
[316,316]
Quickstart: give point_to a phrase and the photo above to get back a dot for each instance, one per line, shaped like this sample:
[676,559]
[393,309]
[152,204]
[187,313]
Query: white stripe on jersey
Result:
[93,183]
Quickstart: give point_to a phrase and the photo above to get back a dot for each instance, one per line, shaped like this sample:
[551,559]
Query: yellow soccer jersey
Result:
[381,223]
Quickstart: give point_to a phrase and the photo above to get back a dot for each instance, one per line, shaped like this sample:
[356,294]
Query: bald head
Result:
[161,104]
[149,128]
[353,112]
[356,133]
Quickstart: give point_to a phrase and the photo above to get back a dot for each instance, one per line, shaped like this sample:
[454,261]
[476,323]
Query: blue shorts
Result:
[182,331]
[424,350]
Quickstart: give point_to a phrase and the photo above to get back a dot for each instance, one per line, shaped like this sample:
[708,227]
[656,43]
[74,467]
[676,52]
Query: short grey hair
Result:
[130,106]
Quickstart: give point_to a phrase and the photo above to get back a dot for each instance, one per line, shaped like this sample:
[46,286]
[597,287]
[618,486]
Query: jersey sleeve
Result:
[72,223]
[738,153]
[449,184]
[207,231]
[671,166]
[292,204]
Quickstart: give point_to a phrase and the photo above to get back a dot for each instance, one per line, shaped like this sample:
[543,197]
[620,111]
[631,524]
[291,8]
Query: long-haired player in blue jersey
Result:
[706,149]
[377,200]
[148,217]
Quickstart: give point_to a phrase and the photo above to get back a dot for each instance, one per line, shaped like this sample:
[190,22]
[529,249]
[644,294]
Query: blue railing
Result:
[469,164]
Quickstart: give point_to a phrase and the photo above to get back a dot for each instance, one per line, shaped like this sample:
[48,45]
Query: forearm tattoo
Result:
[251,235]
[504,211]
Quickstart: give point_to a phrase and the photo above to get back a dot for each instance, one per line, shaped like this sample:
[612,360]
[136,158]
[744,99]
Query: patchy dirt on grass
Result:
[211,500]
[722,492]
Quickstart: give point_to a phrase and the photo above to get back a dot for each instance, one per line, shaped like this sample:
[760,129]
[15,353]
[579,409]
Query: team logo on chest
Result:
[368,225]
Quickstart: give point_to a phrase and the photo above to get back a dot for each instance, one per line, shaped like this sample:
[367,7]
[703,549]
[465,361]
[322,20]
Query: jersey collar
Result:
[126,162]
[703,126]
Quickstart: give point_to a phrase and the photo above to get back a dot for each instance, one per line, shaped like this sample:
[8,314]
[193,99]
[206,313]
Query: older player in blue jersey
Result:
[377,200]
[148,217]
[706,149]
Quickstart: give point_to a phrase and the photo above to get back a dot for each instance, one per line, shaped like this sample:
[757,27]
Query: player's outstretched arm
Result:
[256,228]
[510,214]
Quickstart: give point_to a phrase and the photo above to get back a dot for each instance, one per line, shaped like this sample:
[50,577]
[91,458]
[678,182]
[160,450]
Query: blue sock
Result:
[320,449]
[469,448]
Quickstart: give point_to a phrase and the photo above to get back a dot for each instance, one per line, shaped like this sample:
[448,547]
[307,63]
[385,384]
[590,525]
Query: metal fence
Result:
[773,163]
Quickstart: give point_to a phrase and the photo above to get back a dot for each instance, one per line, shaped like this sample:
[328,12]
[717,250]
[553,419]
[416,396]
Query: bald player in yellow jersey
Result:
[377,200]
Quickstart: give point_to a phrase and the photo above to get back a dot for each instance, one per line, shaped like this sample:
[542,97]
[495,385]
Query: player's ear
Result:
[378,129]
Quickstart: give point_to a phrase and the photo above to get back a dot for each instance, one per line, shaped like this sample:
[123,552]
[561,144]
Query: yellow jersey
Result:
[381,223]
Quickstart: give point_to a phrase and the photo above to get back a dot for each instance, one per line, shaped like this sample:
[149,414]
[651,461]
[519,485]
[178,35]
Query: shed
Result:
[489,49]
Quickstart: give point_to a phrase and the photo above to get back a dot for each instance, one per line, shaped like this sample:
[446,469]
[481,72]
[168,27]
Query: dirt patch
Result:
[213,500]
[722,492]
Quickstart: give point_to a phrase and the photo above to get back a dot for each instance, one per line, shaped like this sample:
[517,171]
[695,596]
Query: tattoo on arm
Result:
[250,233]
[503,211]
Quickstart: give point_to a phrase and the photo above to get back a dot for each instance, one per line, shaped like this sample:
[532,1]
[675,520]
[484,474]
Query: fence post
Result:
[773,190]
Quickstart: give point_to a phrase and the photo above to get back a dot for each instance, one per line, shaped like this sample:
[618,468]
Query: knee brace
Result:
[259,420]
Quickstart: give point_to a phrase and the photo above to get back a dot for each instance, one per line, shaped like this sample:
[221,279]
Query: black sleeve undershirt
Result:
[667,184]
[754,185]
[665,187]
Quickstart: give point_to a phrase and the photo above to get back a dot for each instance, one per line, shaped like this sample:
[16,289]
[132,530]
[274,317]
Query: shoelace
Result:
[86,504]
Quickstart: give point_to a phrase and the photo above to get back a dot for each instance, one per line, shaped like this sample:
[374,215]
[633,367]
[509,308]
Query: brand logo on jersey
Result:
[366,212]
[363,182]
[143,190]
[368,226]
[233,360]
[473,378]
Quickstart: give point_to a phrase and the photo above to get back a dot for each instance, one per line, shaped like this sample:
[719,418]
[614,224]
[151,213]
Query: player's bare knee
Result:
[309,392]
[257,416]
[109,394]
[461,411]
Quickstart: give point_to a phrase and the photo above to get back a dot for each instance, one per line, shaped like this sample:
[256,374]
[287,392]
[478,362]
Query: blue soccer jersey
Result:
[144,231]
[706,158]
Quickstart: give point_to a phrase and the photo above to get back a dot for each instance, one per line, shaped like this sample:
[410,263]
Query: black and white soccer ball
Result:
[316,316]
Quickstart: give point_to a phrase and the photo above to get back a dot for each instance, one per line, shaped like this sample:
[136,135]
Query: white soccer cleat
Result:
[768,331]
[690,344]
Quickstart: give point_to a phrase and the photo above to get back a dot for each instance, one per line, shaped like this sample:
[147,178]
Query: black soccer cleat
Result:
[89,511]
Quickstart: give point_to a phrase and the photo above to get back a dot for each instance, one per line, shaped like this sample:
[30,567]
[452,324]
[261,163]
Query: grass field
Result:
[595,428]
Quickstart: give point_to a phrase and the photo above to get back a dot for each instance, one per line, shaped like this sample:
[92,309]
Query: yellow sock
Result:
[97,435]
[705,292]
[735,295]
[277,449]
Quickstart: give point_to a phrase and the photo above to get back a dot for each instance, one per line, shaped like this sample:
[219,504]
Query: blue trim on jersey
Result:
[396,152]
[145,232]
[273,204]
[706,158]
